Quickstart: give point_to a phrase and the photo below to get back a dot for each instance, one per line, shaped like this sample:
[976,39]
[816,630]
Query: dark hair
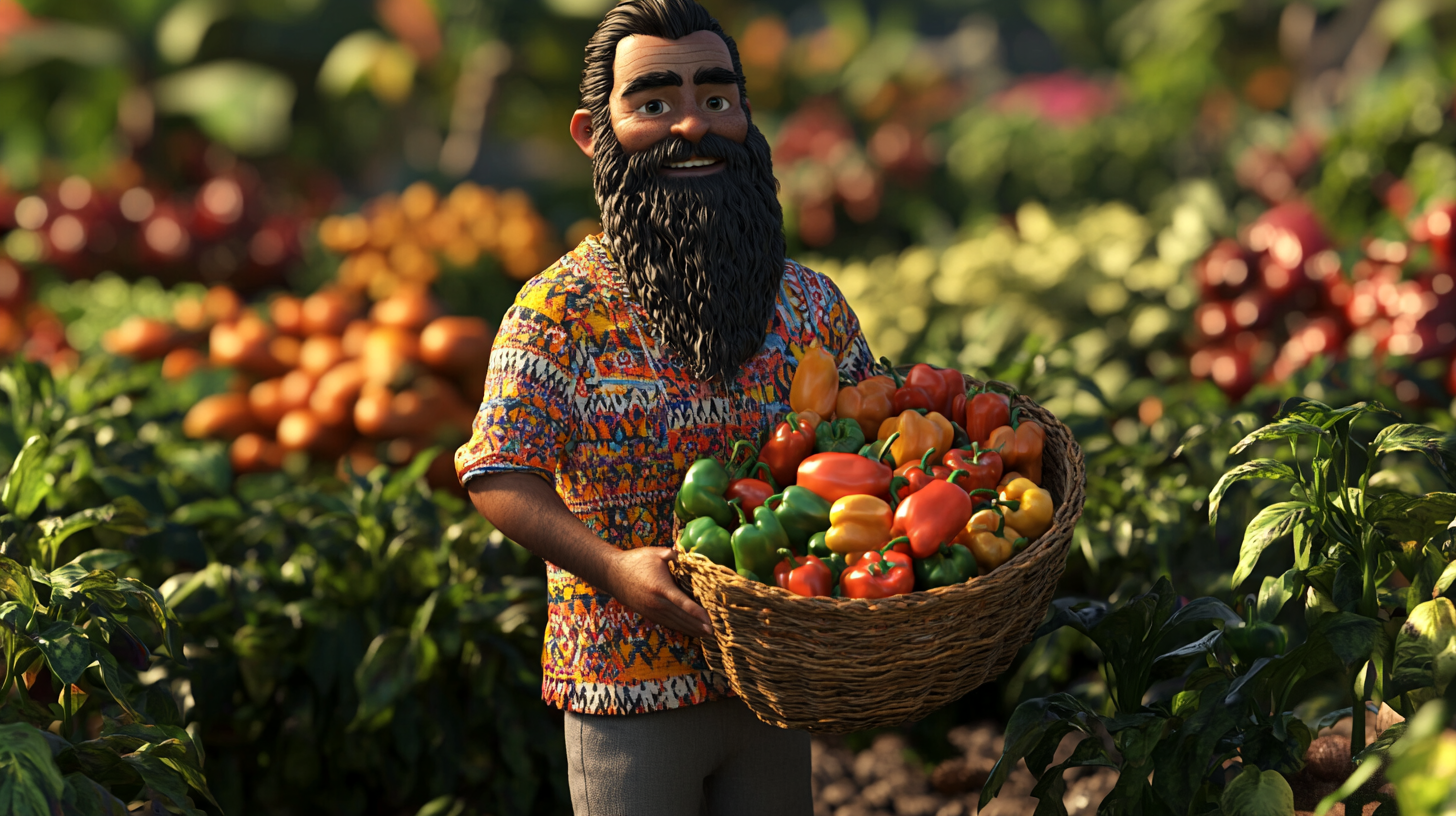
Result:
[669,19]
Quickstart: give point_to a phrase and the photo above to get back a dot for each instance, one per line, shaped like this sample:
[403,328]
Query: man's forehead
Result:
[642,54]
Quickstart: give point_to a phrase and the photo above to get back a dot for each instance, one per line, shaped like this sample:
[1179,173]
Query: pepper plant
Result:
[82,732]
[1353,526]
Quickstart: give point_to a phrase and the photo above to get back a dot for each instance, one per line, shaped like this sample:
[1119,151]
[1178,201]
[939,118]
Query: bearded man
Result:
[663,340]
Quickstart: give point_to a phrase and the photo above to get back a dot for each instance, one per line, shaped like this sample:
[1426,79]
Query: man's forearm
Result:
[527,510]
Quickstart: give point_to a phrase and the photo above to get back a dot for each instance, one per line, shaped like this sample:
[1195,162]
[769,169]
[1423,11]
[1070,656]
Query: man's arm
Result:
[525,509]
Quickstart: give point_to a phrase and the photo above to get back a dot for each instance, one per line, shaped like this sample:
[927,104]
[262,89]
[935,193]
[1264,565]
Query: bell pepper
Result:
[812,418]
[807,577]
[1007,478]
[955,386]
[802,514]
[702,493]
[841,435]
[1020,444]
[918,433]
[835,561]
[816,382]
[1033,513]
[879,574]
[982,467]
[792,441]
[928,379]
[912,476]
[950,564]
[704,537]
[834,475]
[933,516]
[752,492]
[867,403]
[756,545]
[857,523]
[990,539]
[985,412]
[906,397]
[818,547]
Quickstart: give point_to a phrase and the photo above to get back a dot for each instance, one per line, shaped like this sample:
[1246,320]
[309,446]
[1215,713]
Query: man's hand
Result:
[526,509]
[641,580]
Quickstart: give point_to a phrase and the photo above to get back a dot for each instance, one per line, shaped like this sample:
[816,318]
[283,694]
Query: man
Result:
[663,340]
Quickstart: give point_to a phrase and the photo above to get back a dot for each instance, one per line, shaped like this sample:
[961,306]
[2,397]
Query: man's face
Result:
[684,87]
[689,202]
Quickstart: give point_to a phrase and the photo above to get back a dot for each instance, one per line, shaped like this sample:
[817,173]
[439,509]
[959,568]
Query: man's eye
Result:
[653,108]
[717,104]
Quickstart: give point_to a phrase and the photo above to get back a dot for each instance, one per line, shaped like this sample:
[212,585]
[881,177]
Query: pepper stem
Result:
[925,461]
[766,475]
[896,483]
[1015,419]
[890,369]
[886,448]
[956,474]
[882,566]
[737,504]
[741,472]
[789,555]
[779,496]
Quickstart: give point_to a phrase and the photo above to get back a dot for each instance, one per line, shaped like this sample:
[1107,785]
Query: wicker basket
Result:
[839,665]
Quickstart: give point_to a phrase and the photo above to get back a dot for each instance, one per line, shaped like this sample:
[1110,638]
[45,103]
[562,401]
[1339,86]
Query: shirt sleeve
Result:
[839,322]
[524,420]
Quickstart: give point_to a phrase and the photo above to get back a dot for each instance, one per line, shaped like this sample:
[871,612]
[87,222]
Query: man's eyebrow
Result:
[715,76]
[656,79]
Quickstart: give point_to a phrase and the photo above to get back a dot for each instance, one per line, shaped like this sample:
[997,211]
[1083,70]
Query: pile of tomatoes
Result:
[1281,294]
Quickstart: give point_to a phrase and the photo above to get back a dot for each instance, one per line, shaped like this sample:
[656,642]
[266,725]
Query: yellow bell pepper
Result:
[1034,515]
[918,434]
[858,523]
[990,539]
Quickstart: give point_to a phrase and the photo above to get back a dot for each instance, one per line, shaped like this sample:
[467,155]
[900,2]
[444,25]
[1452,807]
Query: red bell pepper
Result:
[879,574]
[933,516]
[955,386]
[806,575]
[792,441]
[907,397]
[912,476]
[833,476]
[983,467]
[928,379]
[985,412]
[752,492]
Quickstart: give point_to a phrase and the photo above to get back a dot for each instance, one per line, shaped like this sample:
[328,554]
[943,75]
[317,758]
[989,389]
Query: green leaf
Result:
[1034,731]
[66,650]
[163,781]
[386,674]
[207,510]
[1278,430]
[30,782]
[1421,762]
[1051,787]
[86,797]
[15,583]
[1257,793]
[26,487]
[1268,526]
[406,477]
[1415,518]
[1350,636]
[1413,438]
[1361,775]
[1276,592]
[1425,649]
[111,676]
[1255,469]
[208,464]
[1448,577]
[1080,614]
[102,559]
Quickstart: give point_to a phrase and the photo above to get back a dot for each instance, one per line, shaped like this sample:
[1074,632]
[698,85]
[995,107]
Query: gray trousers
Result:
[712,758]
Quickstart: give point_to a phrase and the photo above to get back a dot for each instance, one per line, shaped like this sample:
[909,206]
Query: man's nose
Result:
[691,126]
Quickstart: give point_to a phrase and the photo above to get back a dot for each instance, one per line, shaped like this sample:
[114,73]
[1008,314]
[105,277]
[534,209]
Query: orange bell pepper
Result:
[918,434]
[867,403]
[816,382]
[1020,444]
[1033,515]
[858,523]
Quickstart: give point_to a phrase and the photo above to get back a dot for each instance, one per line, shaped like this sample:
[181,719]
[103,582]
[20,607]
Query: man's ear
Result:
[581,130]
[748,106]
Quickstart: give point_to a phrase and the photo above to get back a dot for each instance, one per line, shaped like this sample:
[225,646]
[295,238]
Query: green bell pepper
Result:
[818,546]
[704,537]
[756,545]
[801,512]
[839,436]
[833,560]
[951,564]
[702,493]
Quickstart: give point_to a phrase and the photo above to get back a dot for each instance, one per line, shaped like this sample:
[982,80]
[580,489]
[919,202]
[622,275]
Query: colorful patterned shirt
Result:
[581,393]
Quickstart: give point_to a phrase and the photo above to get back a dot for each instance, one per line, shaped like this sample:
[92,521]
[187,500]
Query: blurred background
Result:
[1157,217]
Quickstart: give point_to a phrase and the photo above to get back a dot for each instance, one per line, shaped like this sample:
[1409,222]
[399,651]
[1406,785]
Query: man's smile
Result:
[695,166]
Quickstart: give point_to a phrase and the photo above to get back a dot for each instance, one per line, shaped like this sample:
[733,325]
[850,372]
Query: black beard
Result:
[703,255]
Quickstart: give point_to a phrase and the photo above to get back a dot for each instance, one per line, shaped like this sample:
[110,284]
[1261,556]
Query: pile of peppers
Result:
[873,488]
